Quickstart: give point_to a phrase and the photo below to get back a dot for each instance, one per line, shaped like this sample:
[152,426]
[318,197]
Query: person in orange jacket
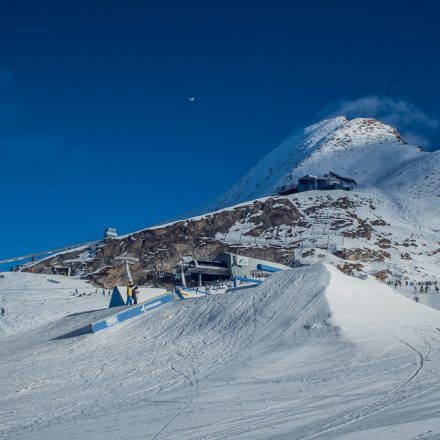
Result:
[129,294]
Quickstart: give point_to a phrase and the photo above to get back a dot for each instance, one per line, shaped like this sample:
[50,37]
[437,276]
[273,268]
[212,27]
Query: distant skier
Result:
[129,294]
[2,310]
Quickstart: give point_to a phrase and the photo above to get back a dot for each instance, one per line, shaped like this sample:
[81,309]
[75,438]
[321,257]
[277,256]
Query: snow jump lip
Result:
[130,312]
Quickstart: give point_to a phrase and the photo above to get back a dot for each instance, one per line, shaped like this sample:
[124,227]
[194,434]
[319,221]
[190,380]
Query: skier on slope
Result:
[2,310]
[129,294]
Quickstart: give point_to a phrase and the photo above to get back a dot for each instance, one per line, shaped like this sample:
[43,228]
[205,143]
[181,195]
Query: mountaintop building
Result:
[330,181]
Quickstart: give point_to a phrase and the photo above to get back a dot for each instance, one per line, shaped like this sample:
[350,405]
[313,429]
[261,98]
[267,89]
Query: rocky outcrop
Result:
[348,230]
[362,254]
[159,249]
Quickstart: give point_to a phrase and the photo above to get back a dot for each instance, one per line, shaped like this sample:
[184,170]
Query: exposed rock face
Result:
[352,231]
[351,269]
[362,254]
[382,275]
[160,248]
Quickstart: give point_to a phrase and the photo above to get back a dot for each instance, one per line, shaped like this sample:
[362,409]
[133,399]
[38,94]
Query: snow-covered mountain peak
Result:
[360,132]
[314,133]
[363,148]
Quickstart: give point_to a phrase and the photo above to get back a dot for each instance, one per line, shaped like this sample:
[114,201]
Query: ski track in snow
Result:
[310,353]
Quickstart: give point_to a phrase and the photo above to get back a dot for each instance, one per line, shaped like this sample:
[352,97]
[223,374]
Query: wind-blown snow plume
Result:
[416,127]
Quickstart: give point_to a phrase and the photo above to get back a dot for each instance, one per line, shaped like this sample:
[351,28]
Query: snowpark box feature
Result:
[131,312]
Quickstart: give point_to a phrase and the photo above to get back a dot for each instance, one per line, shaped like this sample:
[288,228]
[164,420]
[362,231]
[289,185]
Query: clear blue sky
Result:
[96,128]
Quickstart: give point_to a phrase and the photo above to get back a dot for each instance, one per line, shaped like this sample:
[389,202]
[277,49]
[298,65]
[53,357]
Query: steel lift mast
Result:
[128,261]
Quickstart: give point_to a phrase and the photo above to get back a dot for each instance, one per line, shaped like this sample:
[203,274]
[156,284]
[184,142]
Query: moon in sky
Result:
[191,99]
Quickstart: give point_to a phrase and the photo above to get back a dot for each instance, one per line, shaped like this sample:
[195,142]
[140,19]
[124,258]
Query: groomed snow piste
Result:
[310,353]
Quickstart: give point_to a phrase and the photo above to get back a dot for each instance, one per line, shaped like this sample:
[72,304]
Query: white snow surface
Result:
[310,353]
[416,190]
[364,149]
[31,300]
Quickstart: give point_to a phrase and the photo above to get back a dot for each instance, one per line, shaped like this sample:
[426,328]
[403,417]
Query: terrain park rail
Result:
[246,280]
[267,268]
[181,292]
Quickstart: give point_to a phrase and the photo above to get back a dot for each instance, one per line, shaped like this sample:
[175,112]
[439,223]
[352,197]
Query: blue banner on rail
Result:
[130,312]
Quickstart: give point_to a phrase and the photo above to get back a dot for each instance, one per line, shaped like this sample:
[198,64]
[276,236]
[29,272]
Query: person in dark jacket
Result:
[135,294]
[2,310]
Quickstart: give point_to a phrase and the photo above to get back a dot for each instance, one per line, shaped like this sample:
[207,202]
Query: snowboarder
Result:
[129,294]
[135,294]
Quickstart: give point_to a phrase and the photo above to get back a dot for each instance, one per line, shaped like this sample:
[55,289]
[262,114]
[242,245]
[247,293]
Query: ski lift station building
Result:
[224,266]
[110,233]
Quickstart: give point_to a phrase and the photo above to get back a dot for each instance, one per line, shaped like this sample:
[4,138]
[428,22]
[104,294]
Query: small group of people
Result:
[421,286]
[132,294]
[426,288]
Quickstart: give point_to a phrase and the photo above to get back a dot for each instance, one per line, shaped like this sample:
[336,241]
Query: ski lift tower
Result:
[128,261]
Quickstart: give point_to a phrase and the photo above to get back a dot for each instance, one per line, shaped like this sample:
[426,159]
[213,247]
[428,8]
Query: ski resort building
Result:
[110,233]
[223,267]
[62,270]
[330,181]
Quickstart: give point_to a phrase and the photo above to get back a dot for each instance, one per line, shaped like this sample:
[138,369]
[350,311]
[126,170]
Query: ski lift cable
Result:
[50,251]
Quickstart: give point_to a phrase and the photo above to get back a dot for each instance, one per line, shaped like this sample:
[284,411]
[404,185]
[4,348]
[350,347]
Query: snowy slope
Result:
[364,149]
[311,353]
[416,190]
[31,300]
[264,177]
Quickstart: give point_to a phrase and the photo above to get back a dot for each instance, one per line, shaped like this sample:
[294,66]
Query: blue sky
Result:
[96,128]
